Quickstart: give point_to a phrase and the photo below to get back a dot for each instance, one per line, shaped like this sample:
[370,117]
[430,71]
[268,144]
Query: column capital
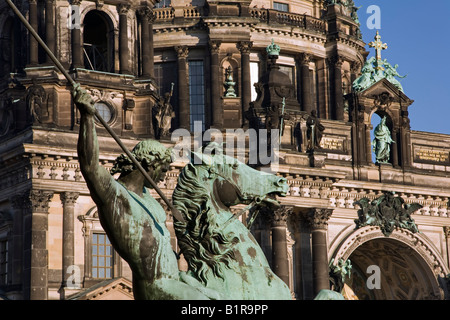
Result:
[336,61]
[182,52]
[318,218]
[447,232]
[305,58]
[146,13]
[244,46]
[214,45]
[21,201]
[40,200]
[355,67]
[75,2]
[69,198]
[123,9]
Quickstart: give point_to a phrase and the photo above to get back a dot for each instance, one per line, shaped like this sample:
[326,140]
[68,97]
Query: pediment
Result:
[112,289]
[382,87]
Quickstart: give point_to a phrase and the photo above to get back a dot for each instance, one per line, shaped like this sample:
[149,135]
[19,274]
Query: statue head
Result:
[149,153]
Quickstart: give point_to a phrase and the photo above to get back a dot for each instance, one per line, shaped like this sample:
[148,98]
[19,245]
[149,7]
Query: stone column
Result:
[217,108]
[307,104]
[246,93]
[68,200]
[77,43]
[394,147]
[183,87]
[447,242]
[21,205]
[147,18]
[50,29]
[35,246]
[280,264]
[355,71]
[33,19]
[124,51]
[318,222]
[336,63]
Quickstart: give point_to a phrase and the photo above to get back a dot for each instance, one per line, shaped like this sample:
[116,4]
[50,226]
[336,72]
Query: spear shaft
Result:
[72,82]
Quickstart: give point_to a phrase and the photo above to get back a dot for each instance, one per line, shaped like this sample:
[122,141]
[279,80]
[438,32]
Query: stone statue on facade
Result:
[314,131]
[225,262]
[164,114]
[382,143]
[387,212]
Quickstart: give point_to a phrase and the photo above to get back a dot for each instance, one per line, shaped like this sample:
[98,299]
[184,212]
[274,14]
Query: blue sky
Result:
[417,33]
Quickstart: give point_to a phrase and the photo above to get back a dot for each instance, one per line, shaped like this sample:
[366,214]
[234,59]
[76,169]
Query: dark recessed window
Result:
[3,262]
[197,92]
[281,6]
[163,4]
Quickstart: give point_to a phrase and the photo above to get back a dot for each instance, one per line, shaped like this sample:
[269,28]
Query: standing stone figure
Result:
[382,142]
[164,114]
[314,132]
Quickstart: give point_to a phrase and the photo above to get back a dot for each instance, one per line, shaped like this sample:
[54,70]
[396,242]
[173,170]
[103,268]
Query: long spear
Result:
[58,64]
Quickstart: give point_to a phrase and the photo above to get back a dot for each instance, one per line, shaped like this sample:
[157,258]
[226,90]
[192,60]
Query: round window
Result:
[104,110]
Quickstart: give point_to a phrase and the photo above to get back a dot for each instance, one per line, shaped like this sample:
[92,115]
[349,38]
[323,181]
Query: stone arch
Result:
[409,262]
[99,45]
[235,67]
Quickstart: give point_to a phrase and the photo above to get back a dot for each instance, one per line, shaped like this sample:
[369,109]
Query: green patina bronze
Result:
[382,143]
[225,261]
[376,69]
[387,212]
[221,252]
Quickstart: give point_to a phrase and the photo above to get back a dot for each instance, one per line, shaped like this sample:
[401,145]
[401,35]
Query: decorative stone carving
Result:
[36,103]
[318,218]
[40,200]
[387,212]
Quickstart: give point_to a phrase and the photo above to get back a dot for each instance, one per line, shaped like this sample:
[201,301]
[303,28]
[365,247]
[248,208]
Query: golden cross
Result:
[378,45]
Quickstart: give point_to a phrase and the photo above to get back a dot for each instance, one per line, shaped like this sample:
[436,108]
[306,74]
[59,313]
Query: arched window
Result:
[98,42]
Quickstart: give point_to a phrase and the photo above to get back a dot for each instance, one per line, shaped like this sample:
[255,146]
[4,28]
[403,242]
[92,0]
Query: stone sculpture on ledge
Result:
[387,212]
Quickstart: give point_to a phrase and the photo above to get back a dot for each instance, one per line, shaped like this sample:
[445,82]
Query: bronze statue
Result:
[133,220]
[225,262]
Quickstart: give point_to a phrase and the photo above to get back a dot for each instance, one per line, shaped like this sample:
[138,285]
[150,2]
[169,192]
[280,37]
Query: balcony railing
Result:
[263,15]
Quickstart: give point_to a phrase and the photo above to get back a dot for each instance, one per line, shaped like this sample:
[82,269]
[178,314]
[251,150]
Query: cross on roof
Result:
[378,45]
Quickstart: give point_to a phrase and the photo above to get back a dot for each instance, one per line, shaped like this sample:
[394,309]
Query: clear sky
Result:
[417,33]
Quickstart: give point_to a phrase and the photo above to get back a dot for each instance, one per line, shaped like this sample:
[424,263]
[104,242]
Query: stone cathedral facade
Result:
[212,57]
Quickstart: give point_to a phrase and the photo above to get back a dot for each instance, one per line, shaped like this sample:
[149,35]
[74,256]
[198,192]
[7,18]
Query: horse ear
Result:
[201,158]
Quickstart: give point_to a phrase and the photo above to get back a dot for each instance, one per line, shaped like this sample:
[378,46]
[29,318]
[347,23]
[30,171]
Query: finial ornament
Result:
[273,49]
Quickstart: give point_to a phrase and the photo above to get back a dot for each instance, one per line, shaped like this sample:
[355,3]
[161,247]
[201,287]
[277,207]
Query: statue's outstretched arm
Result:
[97,177]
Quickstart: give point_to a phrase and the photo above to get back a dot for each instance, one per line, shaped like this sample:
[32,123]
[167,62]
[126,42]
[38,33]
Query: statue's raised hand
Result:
[83,100]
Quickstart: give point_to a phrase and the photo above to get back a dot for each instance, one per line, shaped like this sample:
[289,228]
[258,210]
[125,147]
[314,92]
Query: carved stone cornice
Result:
[318,218]
[40,200]
[182,52]
[69,198]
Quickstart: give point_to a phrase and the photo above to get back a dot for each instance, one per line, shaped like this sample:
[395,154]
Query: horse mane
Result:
[201,240]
